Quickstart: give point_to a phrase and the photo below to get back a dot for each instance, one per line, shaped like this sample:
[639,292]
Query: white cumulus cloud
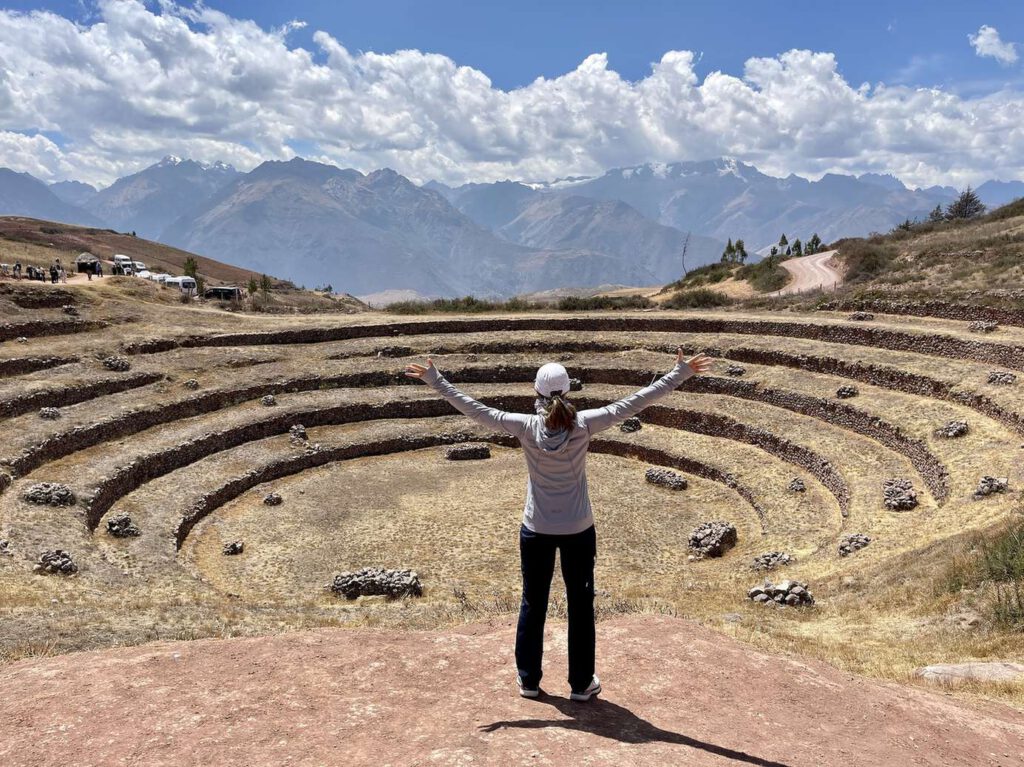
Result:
[988,43]
[135,83]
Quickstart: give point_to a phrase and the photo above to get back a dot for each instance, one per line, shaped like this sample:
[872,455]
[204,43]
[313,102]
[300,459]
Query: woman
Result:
[557,514]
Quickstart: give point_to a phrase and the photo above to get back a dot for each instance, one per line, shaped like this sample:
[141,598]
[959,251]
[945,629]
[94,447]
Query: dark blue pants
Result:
[537,555]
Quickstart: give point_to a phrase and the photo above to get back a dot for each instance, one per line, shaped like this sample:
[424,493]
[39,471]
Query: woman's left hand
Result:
[699,363]
[415,370]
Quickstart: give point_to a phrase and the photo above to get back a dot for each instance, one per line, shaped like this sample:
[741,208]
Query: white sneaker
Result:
[527,692]
[587,694]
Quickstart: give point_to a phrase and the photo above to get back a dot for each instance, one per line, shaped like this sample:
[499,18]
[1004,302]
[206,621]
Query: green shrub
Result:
[597,303]
[766,275]
[464,305]
[998,559]
[865,258]
[699,298]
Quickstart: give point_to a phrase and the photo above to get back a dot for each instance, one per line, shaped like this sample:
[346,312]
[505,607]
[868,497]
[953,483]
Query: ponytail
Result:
[559,413]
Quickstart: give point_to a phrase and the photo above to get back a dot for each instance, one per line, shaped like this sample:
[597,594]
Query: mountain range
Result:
[365,233]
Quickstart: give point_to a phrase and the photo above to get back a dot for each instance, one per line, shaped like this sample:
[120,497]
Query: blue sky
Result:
[915,43]
[929,91]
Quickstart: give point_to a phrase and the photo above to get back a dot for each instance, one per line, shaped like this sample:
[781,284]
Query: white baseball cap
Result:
[551,378]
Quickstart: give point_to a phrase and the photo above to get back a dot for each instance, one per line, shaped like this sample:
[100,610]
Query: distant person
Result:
[557,514]
[63,276]
[53,274]
[17,270]
[99,269]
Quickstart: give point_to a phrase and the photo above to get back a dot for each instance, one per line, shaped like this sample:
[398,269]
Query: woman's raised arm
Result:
[602,418]
[513,423]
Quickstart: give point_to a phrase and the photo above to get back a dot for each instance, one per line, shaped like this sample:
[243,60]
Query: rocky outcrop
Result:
[899,494]
[772,559]
[990,485]
[712,539]
[56,562]
[952,430]
[297,434]
[117,363]
[852,542]
[49,413]
[666,478]
[49,494]
[377,581]
[782,594]
[122,526]
[470,451]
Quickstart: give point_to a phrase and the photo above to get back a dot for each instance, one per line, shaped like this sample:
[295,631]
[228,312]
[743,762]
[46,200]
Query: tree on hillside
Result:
[729,254]
[789,251]
[936,215]
[797,247]
[783,242]
[813,244]
[967,205]
[774,251]
[265,285]
[253,285]
[741,252]
[191,267]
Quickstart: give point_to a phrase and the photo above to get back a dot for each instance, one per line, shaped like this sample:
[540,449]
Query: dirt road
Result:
[810,273]
[675,694]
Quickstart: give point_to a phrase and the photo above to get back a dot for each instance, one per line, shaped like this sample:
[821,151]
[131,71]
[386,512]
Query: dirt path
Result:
[675,694]
[810,273]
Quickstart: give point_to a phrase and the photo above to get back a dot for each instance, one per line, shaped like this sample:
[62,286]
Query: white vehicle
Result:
[122,261]
[144,273]
[138,266]
[186,285]
[160,277]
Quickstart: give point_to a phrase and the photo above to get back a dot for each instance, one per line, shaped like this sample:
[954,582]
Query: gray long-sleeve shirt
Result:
[557,501]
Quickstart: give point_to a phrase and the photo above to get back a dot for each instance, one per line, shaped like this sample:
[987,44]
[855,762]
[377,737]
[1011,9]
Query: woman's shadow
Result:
[609,720]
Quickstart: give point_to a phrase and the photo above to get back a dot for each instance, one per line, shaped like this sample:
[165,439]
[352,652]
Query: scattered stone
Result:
[783,594]
[575,384]
[1001,377]
[469,451]
[21,340]
[49,413]
[666,478]
[191,383]
[269,400]
[989,485]
[377,581]
[49,494]
[772,559]
[899,494]
[56,562]
[846,392]
[862,316]
[852,542]
[630,425]
[5,481]
[233,548]
[69,309]
[297,434]
[5,549]
[712,539]
[735,371]
[797,486]
[955,673]
[395,351]
[272,499]
[952,430]
[983,326]
[117,363]
[122,526]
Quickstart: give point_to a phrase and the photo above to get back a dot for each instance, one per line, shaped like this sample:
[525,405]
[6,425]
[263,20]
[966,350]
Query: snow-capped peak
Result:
[171,159]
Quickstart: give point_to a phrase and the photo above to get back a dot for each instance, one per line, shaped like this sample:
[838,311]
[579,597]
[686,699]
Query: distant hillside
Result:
[25,195]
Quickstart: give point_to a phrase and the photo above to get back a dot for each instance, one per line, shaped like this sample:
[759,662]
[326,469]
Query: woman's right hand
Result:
[699,363]
[416,370]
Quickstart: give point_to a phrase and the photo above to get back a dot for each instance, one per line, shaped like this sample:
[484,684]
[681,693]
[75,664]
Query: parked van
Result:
[138,266]
[122,261]
[186,285]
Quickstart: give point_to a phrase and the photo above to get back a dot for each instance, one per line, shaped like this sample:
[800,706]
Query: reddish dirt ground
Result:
[675,694]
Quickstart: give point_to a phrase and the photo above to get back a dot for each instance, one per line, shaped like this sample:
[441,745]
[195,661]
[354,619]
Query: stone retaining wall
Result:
[71,395]
[941,309]
[35,328]
[22,365]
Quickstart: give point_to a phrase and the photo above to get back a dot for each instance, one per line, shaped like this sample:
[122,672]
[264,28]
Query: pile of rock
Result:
[630,425]
[117,363]
[1001,377]
[49,413]
[49,494]
[712,539]
[847,391]
[122,526]
[575,384]
[797,486]
[5,549]
[983,326]
[666,478]
[269,400]
[56,562]
[70,310]
[191,383]
[272,499]
[772,559]
[952,430]
[469,451]
[862,316]
[297,435]
[899,494]
[989,485]
[852,542]
[782,594]
[735,371]
[377,581]
[235,547]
